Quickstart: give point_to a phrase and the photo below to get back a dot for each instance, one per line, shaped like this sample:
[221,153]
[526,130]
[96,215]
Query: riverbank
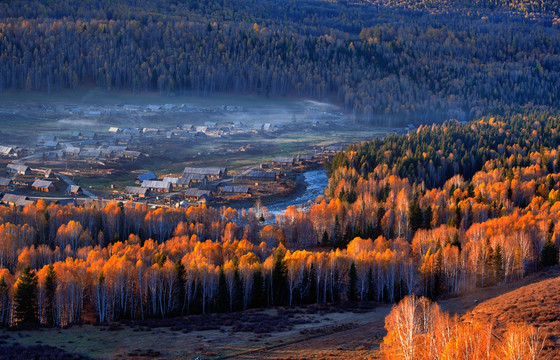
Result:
[308,185]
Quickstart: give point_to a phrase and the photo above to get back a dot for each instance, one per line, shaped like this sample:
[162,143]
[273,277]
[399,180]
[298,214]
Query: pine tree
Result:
[258,298]
[223,295]
[428,216]
[497,261]
[549,252]
[312,284]
[325,241]
[25,299]
[179,295]
[347,237]
[415,216]
[337,232]
[352,283]
[3,300]
[279,278]
[237,291]
[50,288]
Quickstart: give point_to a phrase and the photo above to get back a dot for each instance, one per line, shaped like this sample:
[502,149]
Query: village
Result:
[26,178]
[166,155]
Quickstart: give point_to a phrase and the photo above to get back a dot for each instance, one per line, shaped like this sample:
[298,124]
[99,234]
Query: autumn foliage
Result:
[376,236]
[419,330]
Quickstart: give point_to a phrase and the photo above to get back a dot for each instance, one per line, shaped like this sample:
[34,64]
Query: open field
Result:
[250,334]
[322,332]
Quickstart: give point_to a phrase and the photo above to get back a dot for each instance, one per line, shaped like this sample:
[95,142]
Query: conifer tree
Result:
[223,295]
[258,297]
[352,283]
[549,252]
[50,288]
[4,296]
[179,301]
[279,278]
[25,299]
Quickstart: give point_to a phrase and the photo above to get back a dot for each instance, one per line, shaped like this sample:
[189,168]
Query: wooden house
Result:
[74,190]
[5,183]
[284,161]
[43,185]
[236,189]
[17,169]
[15,200]
[147,176]
[261,175]
[197,194]
[157,185]
[211,173]
[136,192]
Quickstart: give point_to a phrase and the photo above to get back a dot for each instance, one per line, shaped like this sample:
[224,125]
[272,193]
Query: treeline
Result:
[378,237]
[551,7]
[431,155]
[374,60]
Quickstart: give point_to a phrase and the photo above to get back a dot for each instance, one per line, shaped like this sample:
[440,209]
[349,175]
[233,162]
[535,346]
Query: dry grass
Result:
[537,304]
[318,332]
[322,332]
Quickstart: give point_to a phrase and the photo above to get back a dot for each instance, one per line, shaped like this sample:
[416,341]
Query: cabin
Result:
[15,200]
[90,153]
[239,124]
[236,189]
[17,169]
[284,161]
[211,173]
[74,190]
[157,185]
[7,151]
[204,199]
[197,194]
[261,175]
[43,185]
[5,183]
[71,152]
[122,139]
[183,182]
[89,136]
[130,154]
[136,192]
[147,176]
[172,180]
[303,159]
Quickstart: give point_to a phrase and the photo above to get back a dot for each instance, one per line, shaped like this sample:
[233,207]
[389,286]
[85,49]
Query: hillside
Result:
[384,61]
[537,304]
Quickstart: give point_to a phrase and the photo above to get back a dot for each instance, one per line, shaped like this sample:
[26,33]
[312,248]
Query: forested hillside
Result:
[384,61]
[378,236]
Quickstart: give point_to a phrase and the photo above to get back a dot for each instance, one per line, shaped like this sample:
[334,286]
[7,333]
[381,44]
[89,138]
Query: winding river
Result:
[315,182]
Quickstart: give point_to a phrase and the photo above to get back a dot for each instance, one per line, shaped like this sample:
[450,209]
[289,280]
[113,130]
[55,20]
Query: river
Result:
[315,182]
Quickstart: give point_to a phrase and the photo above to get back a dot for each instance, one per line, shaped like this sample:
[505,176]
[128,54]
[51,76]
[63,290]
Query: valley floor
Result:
[321,332]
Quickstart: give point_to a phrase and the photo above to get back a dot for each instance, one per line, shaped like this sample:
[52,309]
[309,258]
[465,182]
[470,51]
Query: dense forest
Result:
[375,235]
[413,60]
